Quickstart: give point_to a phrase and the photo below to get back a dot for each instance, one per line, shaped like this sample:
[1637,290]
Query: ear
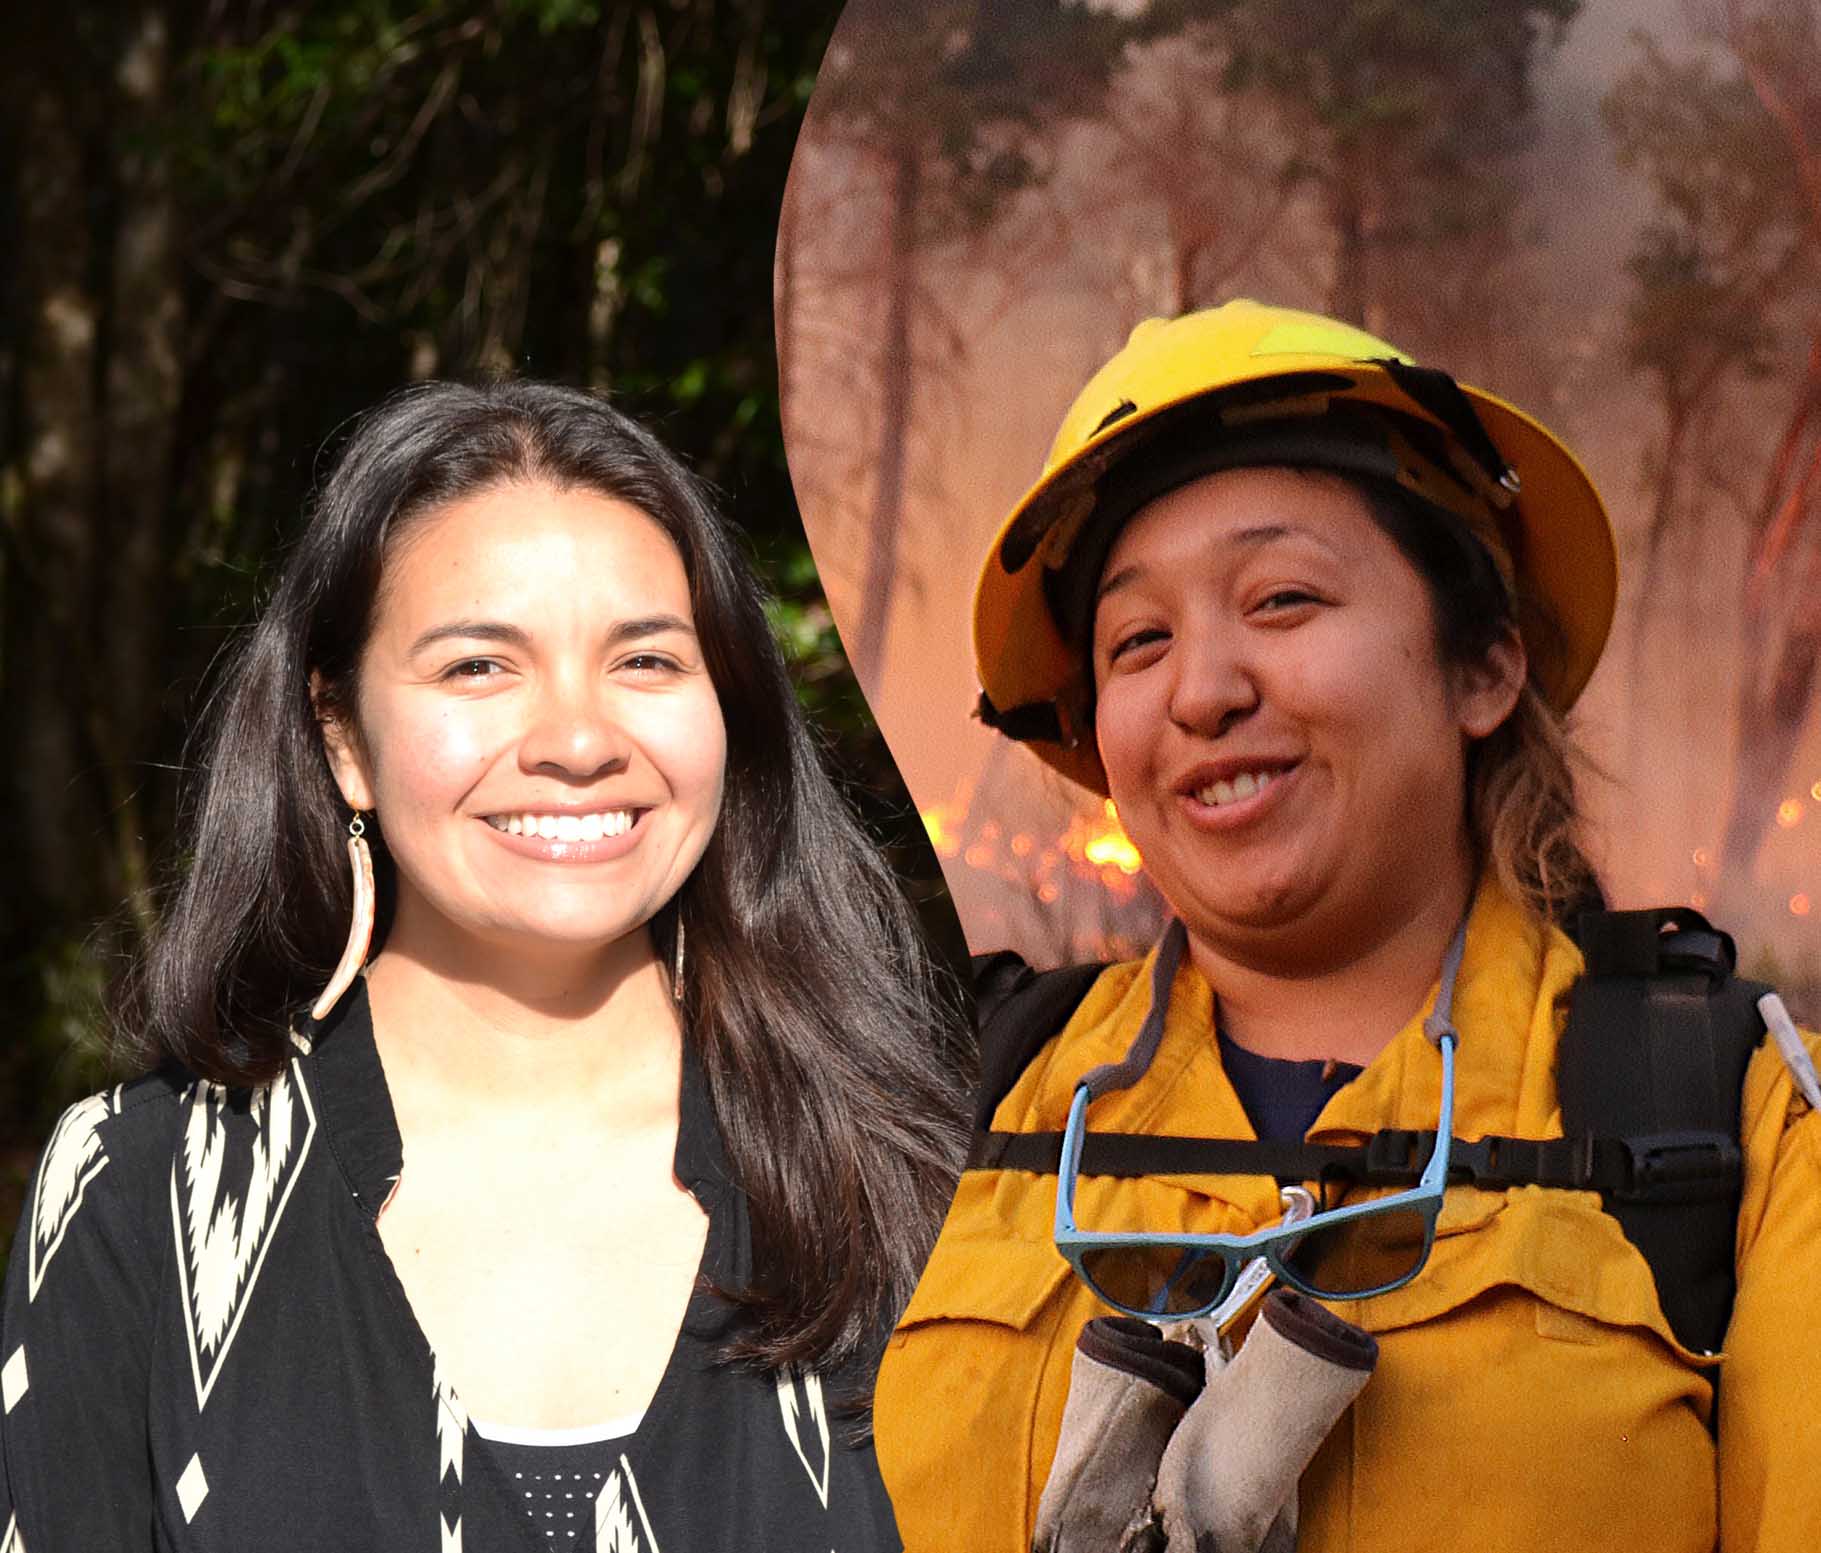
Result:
[1486,692]
[341,744]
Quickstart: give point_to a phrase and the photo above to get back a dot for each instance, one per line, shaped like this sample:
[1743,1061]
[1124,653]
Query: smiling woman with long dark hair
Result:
[547,1113]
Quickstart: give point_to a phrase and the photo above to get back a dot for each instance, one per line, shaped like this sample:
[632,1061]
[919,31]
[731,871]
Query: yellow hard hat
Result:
[1248,384]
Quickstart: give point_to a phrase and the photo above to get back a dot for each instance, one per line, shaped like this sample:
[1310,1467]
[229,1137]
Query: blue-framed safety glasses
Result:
[1342,1253]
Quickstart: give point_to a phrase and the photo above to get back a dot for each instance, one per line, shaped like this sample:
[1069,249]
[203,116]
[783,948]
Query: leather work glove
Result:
[1227,1481]
[1128,1388]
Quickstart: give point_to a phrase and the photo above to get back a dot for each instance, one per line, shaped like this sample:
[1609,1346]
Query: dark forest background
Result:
[229,229]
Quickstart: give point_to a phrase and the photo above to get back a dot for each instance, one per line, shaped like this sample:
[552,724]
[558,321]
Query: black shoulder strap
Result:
[1658,1037]
[1016,1011]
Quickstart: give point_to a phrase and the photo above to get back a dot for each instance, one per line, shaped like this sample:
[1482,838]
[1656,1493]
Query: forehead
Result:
[534,553]
[1227,516]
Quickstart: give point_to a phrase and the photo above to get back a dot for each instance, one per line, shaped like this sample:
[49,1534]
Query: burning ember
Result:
[1103,842]
[944,823]
[1094,848]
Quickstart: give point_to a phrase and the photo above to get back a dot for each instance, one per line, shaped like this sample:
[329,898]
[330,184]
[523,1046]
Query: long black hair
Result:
[821,1026]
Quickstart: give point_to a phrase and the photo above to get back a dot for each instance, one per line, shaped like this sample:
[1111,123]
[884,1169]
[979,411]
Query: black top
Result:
[1283,1096]
[560,1489]
[205,1348]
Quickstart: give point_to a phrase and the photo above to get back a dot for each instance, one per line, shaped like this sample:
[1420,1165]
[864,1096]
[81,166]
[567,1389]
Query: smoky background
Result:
[1606,211]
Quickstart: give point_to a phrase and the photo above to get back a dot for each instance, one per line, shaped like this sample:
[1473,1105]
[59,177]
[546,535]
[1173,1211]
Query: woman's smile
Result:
[1227,794]
[570,836]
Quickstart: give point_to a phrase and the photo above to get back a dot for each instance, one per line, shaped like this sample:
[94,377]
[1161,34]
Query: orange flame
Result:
[1789,813]
[1100,846]
[1114,850]
[1799,905]
[1093,848]
[943,825]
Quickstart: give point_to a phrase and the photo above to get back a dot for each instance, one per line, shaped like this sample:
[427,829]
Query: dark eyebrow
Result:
[517,636]
[1247,538]
[474,630]
[648,625]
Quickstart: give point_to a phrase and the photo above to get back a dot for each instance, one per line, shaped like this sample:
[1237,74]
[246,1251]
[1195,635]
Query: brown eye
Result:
[650,663]
[1286,598]
[1133,641]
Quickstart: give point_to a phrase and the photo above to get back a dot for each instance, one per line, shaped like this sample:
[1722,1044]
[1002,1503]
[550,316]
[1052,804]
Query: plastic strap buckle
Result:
[1395,1154]
[1680,1167]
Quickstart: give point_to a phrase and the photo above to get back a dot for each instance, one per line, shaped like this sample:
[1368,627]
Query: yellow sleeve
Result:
[1770,1386]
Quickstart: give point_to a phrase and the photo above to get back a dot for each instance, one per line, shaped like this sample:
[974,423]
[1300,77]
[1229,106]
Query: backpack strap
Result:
[1658,1037]
[1016,1011]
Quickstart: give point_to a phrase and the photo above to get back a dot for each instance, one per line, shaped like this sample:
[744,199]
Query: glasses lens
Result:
[1363,1255]
[1160,1280]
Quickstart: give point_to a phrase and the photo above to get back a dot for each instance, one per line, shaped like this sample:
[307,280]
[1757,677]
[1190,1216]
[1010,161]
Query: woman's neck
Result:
[514,1031]
[1346,1006]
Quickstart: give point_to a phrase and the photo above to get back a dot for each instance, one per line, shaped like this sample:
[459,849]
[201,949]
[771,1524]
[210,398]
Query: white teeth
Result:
[1248,784]
[565,827]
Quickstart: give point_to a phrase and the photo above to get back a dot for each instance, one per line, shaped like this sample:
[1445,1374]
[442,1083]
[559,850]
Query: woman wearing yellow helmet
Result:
[1311,615]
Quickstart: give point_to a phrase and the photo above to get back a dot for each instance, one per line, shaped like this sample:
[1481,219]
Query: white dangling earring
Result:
[676,968]
[360,926]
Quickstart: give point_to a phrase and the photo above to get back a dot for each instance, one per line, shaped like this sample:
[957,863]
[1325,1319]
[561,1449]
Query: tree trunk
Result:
[1777,690]
[1773,712]
[143,390]
[59,818]
[1347,215]
[896,388]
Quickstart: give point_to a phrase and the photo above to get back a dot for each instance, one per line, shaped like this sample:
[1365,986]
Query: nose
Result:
[1213,688]
[573,733]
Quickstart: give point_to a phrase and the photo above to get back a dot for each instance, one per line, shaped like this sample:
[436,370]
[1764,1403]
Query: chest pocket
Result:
[1541,1291]
[1001,1281]
[1533,1338]
[972,1388]
[1560,1247]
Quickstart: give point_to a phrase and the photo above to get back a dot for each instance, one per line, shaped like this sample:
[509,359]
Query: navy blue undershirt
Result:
[1281,1096]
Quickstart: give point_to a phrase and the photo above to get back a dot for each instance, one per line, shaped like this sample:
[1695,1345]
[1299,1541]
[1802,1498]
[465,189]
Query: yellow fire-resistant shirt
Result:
[1529,1394]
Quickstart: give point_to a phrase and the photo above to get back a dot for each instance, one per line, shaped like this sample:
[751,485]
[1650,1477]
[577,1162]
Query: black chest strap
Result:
[1666,1168]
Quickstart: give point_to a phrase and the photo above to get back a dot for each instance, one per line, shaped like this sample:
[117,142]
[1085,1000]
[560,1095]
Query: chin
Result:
[1270,906]
[1256,892]
[541,933]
